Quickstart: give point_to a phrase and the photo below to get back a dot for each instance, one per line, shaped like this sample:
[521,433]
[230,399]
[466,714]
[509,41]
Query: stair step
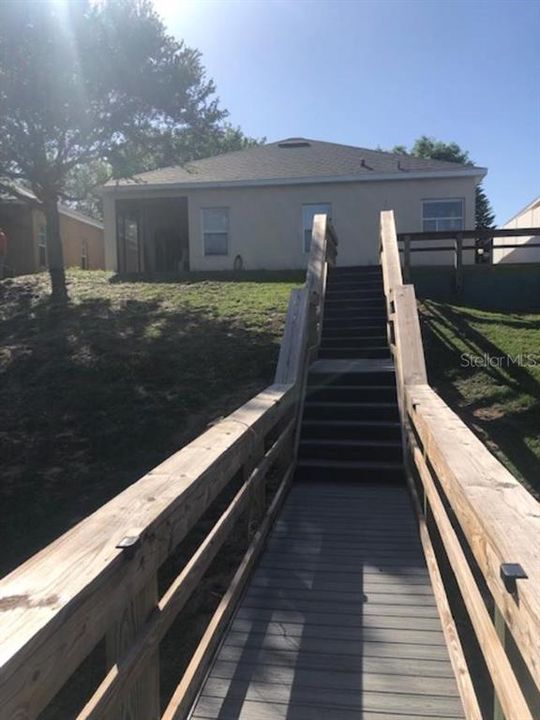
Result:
[351,393]
[350,411]
[336,292]
[354,341]
[351,450]
[351,429]
[348,301]
[346,470]
[356,270]
[354,322]
[354,352]
[351,379]
[333,315]
[352,303]
[354,332]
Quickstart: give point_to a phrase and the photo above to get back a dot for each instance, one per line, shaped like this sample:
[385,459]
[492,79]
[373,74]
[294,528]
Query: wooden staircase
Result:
[351,428]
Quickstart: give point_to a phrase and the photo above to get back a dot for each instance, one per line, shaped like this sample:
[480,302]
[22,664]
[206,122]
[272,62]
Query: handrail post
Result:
[458,262]
[407,258]
[141,701]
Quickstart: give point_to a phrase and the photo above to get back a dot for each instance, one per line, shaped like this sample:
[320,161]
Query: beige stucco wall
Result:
[73,232]
[266,222]
[528,218]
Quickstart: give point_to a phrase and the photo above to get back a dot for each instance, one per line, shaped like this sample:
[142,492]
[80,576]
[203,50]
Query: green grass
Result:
[94,396]
[500,401]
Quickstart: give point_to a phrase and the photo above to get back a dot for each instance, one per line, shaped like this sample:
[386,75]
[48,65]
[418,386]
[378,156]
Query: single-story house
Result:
[253,208]
[528,217]
[25,225]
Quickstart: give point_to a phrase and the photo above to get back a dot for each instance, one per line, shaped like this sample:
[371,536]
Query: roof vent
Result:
[294,143]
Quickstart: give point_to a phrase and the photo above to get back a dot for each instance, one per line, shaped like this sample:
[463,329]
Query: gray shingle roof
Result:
[294,158]
[24,192]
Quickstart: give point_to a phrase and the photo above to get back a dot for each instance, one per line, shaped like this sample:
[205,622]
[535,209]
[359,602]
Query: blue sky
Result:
[381,73]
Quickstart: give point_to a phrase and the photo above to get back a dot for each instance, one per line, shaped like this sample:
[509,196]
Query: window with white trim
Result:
[442,215]
[308,213]
[215,229]
[42,246]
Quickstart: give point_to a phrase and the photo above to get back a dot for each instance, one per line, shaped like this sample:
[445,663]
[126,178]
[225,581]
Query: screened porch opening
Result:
[153,235]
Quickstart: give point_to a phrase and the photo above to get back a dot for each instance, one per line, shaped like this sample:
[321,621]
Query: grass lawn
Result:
[500,401]
[94,396]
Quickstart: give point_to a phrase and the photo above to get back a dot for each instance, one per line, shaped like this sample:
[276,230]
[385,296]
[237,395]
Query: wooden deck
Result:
[339,619]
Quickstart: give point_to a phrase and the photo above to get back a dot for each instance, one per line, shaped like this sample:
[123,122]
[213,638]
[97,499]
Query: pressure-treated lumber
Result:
[142,700]
[125,673]
[290,354]
[412,365]
[186,691]
[506,686]
[499,518]
[453,643]
[59,604]
[390,262]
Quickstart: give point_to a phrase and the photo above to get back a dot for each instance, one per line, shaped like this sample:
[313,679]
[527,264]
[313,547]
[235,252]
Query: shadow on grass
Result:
[95,395]
[507,427]
[233,276]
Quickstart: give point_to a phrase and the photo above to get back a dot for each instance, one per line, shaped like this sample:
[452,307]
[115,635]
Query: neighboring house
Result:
[26,228]
[254,208]
[529,217]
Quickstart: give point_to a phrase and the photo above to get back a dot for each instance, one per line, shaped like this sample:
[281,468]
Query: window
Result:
[42,246]
[215,227]
[84,254]
[308,213]
[442,215]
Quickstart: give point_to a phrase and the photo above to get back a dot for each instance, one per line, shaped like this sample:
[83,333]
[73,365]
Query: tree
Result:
[82,82]
[429,148]
[83,183]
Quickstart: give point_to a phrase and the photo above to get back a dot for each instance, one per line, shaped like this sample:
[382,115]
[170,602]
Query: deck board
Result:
[339,619]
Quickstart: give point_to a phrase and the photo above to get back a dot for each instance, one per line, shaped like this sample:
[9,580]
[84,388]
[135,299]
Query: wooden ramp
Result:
[339,619]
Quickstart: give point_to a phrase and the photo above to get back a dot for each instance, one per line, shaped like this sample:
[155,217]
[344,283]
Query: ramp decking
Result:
[339,620]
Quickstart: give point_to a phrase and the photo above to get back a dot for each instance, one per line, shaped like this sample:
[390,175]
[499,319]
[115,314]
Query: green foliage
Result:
[429,148]
[97,393]
[86,83]
[79,81]
[484,215]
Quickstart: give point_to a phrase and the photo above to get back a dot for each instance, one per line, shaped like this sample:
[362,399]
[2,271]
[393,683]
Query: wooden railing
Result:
[100,578]
[470,505]
[482,245]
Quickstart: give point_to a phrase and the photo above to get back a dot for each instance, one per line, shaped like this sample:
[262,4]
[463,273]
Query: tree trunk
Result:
[55,253]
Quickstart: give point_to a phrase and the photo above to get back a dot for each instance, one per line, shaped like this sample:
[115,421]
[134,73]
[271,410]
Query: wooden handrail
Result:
[478,233]
[305,312]
[100,578]
[499,520]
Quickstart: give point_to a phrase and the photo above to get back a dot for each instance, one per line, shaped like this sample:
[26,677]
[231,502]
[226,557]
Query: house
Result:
[528,217]
[253,208]
[26,228]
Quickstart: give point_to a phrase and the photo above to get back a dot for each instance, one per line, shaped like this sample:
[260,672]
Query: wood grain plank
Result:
[58,605]
[473,480]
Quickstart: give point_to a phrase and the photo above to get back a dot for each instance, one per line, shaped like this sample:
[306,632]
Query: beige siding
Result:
[16,221]
[73,232]
[528,218]
[266,222]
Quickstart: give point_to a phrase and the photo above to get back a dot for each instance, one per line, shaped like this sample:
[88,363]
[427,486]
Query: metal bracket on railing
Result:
[129,545]
[510,572]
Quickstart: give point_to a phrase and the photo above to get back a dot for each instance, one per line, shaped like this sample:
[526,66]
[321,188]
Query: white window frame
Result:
[203,232]
[42,245]
[303,229]
[445,199]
